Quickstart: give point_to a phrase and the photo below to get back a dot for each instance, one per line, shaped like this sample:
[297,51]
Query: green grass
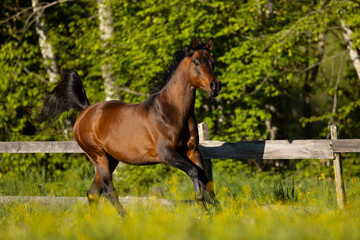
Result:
[181,221]
[254,206]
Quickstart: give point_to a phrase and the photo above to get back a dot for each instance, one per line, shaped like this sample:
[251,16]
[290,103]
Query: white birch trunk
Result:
[354,56]
[46,49]
[48,54]
[269,8]
[106,32]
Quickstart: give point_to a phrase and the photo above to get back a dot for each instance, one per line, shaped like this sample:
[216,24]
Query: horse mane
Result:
[179,55]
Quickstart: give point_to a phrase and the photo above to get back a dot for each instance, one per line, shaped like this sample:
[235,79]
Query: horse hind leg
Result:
[95,191]
[102,184]
[109,190]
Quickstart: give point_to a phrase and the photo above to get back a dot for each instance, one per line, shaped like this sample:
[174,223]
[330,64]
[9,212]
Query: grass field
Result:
[252,208]
[180,221]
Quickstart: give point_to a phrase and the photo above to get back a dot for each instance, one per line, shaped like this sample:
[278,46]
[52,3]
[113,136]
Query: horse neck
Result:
[179,94]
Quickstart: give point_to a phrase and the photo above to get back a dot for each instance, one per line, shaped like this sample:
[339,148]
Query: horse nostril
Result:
[213,85]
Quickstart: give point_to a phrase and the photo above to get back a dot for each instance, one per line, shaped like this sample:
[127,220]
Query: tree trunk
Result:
[334,107]
[269,8]
[48,55]
[354,56]
[46,48]
[106,32]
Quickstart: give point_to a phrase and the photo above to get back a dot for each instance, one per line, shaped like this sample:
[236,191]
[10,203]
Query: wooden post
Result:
[339,178]
[204,136]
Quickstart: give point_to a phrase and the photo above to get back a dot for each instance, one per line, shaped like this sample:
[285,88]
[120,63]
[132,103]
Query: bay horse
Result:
[162,129]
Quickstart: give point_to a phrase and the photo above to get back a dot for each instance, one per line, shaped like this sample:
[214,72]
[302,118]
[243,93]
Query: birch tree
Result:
[45,47]
[354,56]
[106,33]
[48,55]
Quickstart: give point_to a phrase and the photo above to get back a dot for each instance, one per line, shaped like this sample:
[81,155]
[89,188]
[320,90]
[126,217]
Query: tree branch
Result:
[318,63]
[28,72]
[128,90]
[333,110]
[42,7]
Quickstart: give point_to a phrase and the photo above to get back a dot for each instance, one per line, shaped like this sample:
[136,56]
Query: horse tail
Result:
[68,94]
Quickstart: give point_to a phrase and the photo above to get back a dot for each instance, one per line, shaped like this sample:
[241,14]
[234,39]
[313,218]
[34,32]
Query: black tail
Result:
[69,93]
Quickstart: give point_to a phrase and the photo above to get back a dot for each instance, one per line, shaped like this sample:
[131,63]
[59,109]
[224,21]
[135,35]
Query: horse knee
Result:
[111,194]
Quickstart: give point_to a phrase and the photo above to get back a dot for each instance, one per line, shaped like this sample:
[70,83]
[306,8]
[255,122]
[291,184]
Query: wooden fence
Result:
[267,149]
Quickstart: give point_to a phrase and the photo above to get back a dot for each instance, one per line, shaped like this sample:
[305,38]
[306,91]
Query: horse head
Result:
[201,68]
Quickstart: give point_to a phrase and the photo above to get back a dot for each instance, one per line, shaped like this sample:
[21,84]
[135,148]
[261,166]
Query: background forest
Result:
[288,68]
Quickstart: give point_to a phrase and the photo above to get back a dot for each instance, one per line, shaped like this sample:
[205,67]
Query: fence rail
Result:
[270,149]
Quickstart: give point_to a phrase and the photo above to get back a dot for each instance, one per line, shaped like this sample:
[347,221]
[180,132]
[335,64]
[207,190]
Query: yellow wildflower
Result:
[225,189]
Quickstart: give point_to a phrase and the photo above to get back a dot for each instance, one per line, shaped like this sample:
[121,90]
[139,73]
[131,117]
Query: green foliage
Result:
[40,174]
[140,180]
[264,59]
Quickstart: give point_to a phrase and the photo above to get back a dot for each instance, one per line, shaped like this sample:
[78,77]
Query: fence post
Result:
[339,178]
[204,136]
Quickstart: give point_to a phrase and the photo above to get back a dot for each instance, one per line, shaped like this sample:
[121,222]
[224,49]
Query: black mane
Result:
[179,55]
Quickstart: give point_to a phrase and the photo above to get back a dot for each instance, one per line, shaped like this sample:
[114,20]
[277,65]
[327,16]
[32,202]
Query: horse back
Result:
[124,131]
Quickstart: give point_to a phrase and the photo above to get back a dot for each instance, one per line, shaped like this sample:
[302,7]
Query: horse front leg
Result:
[197,174]
[194,155]
[208,188]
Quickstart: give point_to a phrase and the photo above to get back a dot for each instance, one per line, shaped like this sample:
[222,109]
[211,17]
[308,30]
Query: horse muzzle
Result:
[215,87]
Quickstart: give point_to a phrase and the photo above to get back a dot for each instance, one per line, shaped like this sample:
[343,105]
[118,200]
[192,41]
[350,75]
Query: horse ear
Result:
[194,43]
[210,44]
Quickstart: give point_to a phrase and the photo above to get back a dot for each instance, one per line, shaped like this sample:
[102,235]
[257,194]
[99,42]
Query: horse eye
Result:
[196,62]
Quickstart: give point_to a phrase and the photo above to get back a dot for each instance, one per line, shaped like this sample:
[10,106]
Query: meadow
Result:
[280,62]
[260,206]
[181,221]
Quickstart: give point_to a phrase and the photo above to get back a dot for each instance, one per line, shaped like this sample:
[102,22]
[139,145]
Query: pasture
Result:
[287,70]
[291,204]
[153,221]
[259,206]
